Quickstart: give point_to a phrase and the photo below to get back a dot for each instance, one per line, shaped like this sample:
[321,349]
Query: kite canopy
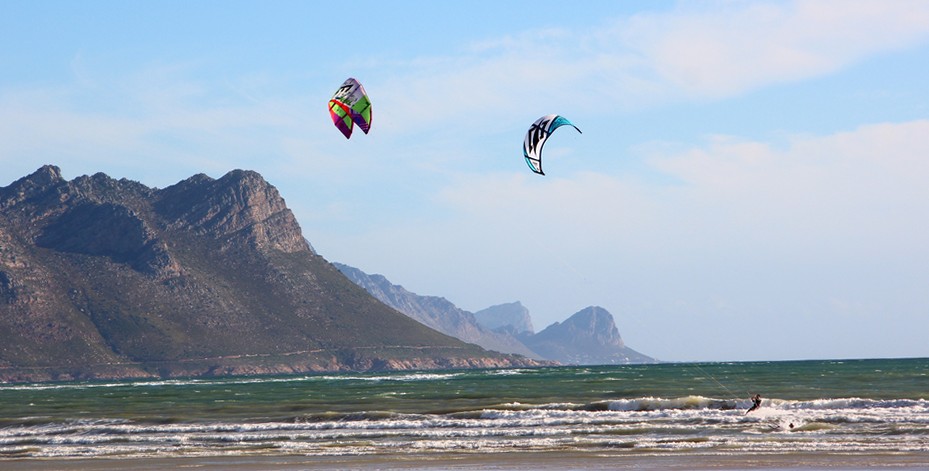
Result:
[538,133]
[349,106]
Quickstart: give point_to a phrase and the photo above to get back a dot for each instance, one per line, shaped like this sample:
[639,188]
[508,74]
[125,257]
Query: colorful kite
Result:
[538,133]
[349,106]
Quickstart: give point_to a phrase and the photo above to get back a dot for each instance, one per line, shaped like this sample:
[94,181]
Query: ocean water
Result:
[867,407]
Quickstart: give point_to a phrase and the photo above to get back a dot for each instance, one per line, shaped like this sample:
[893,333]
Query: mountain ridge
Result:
[436,312]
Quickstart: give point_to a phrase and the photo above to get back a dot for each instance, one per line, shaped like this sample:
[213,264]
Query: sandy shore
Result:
[570,461]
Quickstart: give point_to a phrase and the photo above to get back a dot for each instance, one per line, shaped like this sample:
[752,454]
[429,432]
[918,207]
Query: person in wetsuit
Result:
[756,402]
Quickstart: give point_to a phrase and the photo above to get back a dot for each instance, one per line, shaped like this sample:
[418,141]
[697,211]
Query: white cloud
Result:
[856,187]
[729,48]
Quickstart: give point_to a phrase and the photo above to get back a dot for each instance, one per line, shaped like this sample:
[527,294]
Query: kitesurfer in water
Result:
[756,402]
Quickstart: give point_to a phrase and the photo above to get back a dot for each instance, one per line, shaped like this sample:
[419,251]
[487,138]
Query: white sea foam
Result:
[391,377]
[658,403]
[669,429]
[509,372]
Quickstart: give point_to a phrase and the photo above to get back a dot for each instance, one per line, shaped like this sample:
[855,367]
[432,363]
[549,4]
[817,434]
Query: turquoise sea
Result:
[867,407]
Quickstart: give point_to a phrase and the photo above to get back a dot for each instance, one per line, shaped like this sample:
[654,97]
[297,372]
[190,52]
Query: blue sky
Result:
[750,182]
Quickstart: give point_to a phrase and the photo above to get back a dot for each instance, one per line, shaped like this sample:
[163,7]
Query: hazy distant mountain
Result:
[589,337]
[109,278]
[512,317]
[435,312]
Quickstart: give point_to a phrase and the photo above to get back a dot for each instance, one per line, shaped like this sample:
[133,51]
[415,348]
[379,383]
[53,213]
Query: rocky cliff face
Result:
[436,312]
[589,337]
[228,209]
[109,278]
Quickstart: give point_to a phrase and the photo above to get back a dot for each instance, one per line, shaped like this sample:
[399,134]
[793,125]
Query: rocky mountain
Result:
[109,278]
[589,337]
[509,317]
[436,312]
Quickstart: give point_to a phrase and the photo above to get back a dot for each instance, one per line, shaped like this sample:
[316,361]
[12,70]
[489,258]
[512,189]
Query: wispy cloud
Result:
[857,186]
[850,189]
[720,49]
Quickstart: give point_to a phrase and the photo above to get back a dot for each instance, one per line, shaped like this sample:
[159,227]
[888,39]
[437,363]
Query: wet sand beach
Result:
[569,461]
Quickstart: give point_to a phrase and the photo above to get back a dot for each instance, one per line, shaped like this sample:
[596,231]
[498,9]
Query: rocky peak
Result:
[125,220]
[30,186]
[101,188]
[588,337]
[239,207]
[513,317]
[46,175]
[596,323]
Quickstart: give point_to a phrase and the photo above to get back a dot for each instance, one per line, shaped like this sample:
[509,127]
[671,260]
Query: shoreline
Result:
[508,461]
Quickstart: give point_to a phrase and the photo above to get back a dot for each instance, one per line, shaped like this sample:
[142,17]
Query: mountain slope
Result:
[109,278]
